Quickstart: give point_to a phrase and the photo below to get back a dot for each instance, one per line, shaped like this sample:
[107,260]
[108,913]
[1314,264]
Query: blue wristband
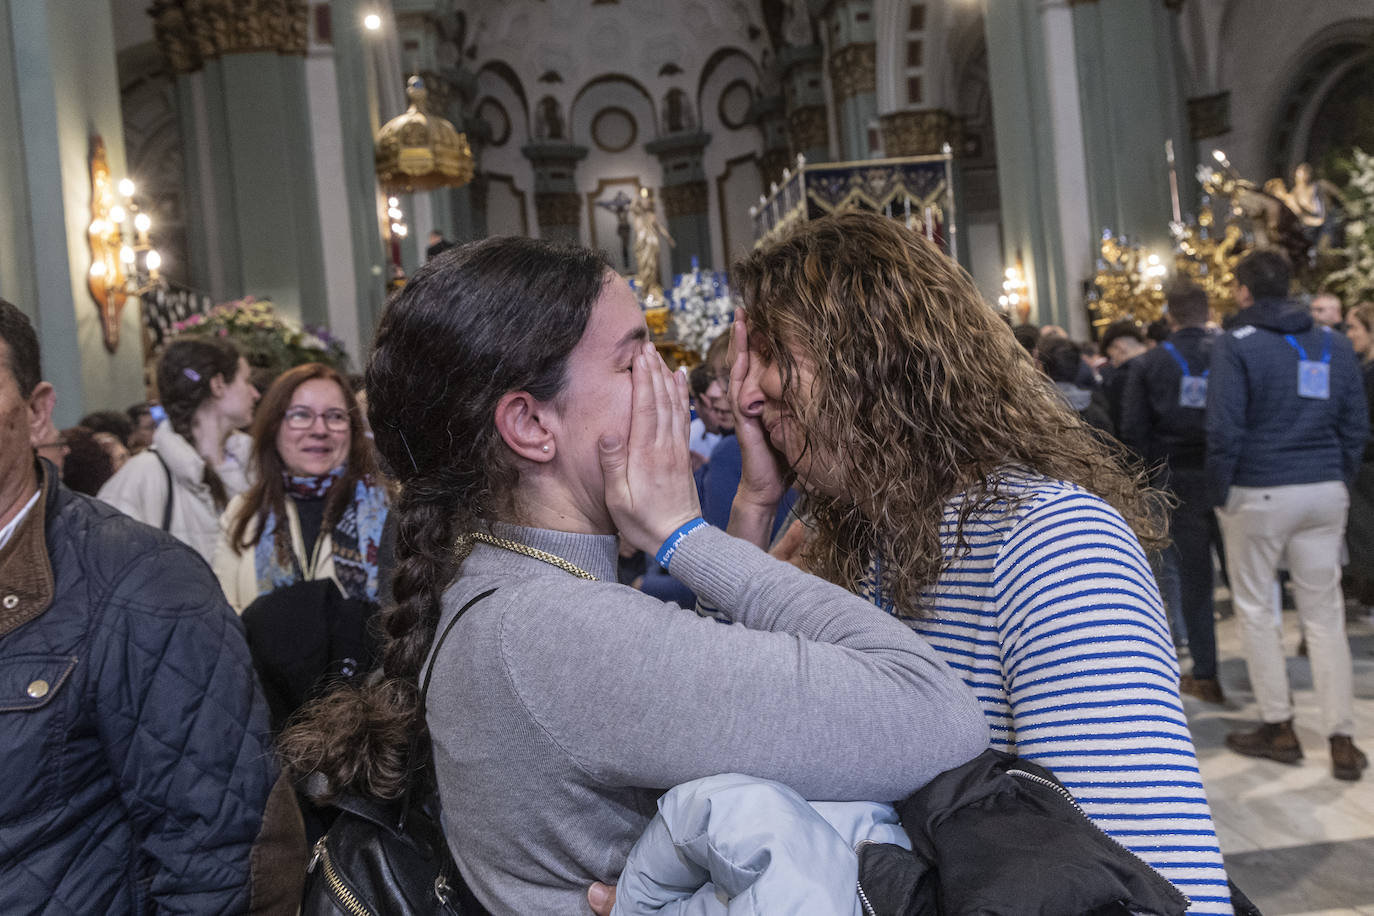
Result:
[665,553]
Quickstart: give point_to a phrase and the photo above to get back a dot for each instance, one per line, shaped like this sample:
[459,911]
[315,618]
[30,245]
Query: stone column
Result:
[768,113]
[684,198]
[242,90]
[1121,46]
[557,203]
[853,73]
[807,124]
[60,89]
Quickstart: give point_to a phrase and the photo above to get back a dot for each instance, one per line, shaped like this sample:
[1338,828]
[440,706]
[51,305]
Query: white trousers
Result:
[1305,522]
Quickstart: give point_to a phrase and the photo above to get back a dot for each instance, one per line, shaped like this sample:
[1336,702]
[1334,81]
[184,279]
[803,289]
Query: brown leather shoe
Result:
[1346,759]
[1275,740]
[1206,689]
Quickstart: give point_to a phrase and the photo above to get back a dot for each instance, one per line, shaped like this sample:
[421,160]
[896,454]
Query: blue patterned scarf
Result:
[355,537]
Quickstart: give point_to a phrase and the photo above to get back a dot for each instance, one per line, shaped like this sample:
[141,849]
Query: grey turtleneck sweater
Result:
[561,708]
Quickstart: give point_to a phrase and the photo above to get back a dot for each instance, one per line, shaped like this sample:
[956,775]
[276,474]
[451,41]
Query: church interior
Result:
[293,161]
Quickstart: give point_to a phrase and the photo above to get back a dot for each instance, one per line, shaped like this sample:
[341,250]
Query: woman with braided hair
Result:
[513,391]
[199,459]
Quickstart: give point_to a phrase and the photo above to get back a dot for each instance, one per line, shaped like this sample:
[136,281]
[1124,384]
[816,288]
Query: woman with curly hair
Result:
[947,482]
[528,420]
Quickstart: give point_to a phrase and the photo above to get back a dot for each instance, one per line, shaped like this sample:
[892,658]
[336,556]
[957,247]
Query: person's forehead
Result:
[315,390]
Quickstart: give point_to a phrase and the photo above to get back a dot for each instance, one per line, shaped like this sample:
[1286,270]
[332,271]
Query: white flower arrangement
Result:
[701,308]
[1355,280]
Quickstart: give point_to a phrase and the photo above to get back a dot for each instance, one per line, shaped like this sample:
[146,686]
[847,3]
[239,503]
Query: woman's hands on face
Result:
[650,492]
[761,483]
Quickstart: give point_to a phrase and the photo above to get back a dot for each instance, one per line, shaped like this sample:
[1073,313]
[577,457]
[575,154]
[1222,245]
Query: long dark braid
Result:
[482,320]
[183,383]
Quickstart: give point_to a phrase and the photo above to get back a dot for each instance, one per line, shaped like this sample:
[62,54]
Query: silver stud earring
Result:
[546,448]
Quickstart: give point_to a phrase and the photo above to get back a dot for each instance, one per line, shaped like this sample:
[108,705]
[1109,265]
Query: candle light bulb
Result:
[126,187]
[153,260]
[143,222]
[126,254]
[392,202]
[117,214]
[98,269]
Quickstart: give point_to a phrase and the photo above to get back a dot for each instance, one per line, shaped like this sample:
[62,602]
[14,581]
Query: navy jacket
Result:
[1153,425]
[138,773]
[1260,433]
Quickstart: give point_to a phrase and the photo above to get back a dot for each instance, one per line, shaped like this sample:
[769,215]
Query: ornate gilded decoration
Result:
[682,199]
[124,264]
[808,129]
[920,133]
[1208,255]
[914,189]
[1129,283]
[854,70]
[419,151]
[106,277]
[557,208]
[191,32]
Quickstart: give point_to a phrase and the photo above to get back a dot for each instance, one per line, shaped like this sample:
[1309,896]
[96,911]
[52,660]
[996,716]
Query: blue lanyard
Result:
[1302,354]
[1178,358]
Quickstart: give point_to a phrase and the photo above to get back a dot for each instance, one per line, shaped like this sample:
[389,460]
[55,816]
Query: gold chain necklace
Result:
[527,550]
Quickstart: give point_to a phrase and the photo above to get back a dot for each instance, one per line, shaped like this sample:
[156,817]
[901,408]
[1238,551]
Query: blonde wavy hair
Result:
[920,393]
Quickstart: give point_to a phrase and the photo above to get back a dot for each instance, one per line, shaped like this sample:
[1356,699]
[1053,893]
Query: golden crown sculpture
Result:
[419,151]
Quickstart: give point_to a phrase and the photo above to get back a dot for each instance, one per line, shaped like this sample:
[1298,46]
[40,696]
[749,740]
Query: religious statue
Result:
[548,119]
[1312,202]
[647,229]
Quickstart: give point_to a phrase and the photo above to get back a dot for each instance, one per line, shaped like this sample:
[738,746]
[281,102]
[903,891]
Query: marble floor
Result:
[1296,840]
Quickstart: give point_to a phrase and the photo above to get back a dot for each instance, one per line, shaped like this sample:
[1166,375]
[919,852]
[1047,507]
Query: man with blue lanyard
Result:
[1163,421]
[1286,428]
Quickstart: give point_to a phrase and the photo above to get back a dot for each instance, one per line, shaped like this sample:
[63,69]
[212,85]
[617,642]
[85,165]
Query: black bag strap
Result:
[424,698]
[438,644]
[171,491]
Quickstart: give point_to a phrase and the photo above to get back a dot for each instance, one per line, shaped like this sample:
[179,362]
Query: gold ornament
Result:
[419,151]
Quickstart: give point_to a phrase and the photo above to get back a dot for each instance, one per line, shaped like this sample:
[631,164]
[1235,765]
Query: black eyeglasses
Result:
[299,418]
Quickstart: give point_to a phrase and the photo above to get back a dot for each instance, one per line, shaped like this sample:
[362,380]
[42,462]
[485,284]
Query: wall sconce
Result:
[1015,293]
[124,263]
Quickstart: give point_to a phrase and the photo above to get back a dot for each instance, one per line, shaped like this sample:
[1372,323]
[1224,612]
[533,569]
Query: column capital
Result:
[808,129]
[854,70]
[920,133]
[191,32]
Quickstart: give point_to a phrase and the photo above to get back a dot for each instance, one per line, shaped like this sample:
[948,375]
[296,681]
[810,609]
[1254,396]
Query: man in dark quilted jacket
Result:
[138,771]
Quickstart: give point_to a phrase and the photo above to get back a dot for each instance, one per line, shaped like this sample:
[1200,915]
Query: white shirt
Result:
[8,531]
[701,441]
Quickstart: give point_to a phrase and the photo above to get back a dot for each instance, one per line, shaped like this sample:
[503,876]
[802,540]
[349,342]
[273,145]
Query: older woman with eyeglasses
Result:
[317,509]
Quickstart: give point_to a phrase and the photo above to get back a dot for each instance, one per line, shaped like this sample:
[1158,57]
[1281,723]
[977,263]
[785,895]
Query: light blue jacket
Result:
[734,845]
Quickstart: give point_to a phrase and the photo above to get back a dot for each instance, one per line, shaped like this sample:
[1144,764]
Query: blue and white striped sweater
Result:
[1053,619]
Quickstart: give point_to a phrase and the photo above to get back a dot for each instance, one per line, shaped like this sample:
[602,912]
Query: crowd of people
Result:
[525,566]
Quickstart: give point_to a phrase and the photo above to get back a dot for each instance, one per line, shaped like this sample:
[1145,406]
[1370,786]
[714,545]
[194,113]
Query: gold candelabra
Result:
[124,263]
